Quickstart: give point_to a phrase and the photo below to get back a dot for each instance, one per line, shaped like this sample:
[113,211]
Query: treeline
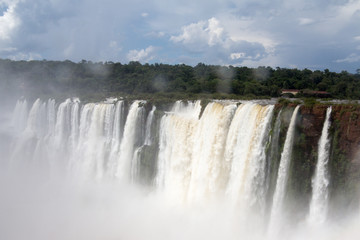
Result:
[86,77]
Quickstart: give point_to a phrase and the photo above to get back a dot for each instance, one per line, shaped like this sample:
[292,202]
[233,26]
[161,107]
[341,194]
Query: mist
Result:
[45,196]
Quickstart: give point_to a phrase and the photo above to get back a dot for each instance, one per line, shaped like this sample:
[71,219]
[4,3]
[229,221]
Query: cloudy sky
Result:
[314,34]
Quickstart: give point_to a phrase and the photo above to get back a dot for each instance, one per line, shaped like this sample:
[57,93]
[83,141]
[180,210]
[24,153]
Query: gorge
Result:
[258,165]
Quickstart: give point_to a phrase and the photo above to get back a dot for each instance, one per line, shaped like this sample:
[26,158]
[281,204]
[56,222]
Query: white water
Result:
[116,139]
[276,221]
[126,167]
[245,150]
[177,139]
[20,115]
[274,153]
[210,170]
[320,181]
[149,122]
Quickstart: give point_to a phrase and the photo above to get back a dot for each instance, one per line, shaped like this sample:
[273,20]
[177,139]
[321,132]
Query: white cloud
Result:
[215,31]
[201,34]
[269,60]
[8,21]
[251,31]
[350,59]
[143,55]
[52,27]
[221,41]
[234,56]
[301,32]
[244,56]
[347,11]
[209,33]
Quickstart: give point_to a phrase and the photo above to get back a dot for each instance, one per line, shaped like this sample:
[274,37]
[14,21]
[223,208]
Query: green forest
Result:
[86,78]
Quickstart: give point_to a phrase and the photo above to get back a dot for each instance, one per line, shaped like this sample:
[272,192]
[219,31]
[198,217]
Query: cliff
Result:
[344,162]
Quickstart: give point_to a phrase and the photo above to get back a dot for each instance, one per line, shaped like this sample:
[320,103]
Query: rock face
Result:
[348,123]
[345,130]
[312,120]
[345,159]
[344,162]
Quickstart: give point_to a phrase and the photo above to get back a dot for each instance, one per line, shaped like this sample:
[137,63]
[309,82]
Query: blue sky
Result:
[314,34]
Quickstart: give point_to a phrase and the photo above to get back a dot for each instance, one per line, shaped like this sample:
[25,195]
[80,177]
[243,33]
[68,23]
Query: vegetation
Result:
[309,102]
[86,78]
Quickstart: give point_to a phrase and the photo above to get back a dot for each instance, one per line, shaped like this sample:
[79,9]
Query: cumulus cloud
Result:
[64,29]
[8,20]
[222,45]
[142,55]
[200,35]
[304,33]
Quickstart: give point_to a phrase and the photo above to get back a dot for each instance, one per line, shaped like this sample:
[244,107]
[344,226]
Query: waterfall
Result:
[116,139]
[177,139]
[139,151]
[320,181]
[149,121]
[245,150]
[27,141]
[20,116]
[223,151]
[95,144]
[126,168]
[273,158]
[74,126]
[226,160]
[62,126]
[208,171]
[282,177]
[51,115]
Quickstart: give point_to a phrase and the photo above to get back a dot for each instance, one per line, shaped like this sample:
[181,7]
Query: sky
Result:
[313,34]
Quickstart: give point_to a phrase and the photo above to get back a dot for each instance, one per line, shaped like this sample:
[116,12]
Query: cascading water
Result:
[126,168]
[221,154]
[116,139]
[177,139]
[273,157]
[20,115]
[208,171]
[149,122]
[245,150]
[282,178]
[320,181]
